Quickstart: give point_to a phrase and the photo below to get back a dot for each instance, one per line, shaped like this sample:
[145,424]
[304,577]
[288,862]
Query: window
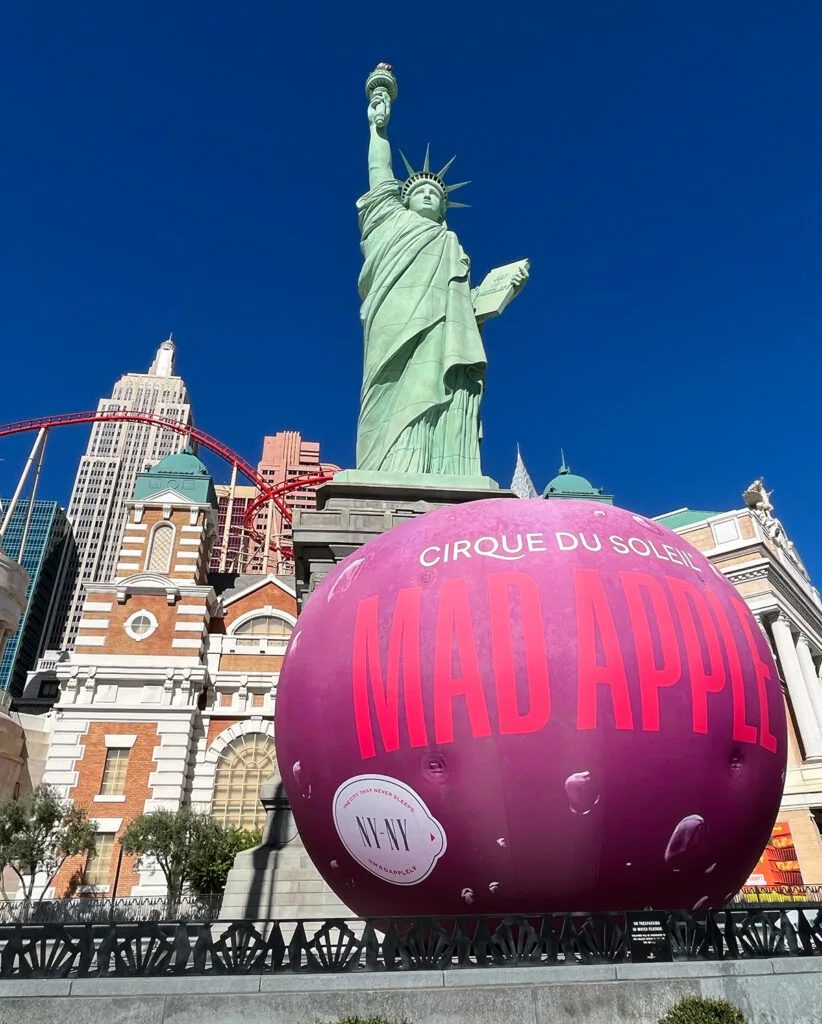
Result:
[243,767]
[159,555]
[265,625]
[49,689]
[725,532]
[140,625]
[98,864]
[114,772]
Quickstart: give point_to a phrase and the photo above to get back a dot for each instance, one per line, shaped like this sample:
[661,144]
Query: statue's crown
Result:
[426,174]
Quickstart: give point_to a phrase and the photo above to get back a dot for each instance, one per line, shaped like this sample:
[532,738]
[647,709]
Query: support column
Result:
[798,691]
[803,650]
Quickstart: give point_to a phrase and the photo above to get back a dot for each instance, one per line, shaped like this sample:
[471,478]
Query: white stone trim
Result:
[102,798]
[93,624]
[130,553]
[99,890]
[188,627]
[189,554]
[127,565]
[137,526]
[91,641]
[259,613]
[146,661]
[140,636]
[190,541]
[202,788]
[107,824]
[263,580]
[191,529]
[120,740]
[187,643]
[192,609]
[97,606]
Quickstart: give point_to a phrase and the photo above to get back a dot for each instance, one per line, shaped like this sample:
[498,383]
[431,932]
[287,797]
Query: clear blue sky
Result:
[193,167]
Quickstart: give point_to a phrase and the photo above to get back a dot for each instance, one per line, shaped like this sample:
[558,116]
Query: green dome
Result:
[182,472]
[184,462]
[569,485]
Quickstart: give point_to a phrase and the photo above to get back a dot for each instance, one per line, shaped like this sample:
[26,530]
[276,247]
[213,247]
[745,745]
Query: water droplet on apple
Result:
[334,865]
[701,903]
[582,793]
[468,895]
[710,869]
[345,578]
[300,778]
[687,834]
[501,842]
[493,886]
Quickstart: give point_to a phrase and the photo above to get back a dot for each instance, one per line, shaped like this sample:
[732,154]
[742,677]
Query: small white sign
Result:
[387,828]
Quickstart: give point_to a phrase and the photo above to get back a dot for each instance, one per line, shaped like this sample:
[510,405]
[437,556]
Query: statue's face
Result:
[426,200]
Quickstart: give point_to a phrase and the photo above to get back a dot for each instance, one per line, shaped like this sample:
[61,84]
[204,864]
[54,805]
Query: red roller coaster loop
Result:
[268,494]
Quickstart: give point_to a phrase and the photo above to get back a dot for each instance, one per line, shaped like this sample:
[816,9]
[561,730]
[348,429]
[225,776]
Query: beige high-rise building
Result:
[116,453]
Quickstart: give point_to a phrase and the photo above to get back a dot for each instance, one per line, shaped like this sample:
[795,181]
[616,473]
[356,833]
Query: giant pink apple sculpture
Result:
[525,706]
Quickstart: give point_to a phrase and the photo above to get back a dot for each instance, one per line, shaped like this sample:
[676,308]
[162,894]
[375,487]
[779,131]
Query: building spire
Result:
[564,468]
[522,485]
[163,365]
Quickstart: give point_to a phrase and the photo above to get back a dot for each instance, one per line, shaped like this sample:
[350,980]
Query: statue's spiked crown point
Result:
[426,174]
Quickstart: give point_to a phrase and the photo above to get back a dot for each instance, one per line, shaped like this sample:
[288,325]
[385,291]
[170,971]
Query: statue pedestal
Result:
[358,505]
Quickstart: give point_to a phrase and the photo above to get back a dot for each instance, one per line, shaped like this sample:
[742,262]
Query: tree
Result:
[212,863]
[178,840]
[38,833]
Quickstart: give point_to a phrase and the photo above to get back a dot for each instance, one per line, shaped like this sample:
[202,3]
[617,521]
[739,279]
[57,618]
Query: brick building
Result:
[168,696]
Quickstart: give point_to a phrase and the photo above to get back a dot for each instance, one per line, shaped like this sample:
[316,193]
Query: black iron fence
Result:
[93,909]
[168,948]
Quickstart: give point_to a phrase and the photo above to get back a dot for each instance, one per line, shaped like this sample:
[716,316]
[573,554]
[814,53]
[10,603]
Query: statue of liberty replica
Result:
[424,363]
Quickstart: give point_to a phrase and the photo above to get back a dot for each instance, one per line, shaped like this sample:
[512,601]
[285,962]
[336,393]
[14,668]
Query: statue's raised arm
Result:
[381,89]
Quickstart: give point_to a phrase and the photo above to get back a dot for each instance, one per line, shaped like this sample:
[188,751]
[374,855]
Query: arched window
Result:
[271,626]
[243,767]
[159,553]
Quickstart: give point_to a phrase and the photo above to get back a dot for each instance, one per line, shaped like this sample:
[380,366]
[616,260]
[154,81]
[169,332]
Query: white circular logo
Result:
[387,828]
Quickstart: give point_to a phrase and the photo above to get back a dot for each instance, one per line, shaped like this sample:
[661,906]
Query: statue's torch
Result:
[381,78]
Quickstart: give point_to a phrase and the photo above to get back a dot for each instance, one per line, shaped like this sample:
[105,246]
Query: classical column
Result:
[798,690]
[803,650]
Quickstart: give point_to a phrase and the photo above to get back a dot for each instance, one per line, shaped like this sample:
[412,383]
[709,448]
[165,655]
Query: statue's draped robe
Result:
[424,358]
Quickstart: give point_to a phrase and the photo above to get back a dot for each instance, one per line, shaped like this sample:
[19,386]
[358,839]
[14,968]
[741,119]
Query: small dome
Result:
[570,483]
[182,463]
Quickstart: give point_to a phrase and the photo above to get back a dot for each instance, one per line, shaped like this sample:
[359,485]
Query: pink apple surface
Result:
[530,706]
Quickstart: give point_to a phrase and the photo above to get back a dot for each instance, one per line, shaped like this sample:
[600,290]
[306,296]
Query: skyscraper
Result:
[116,453]
[48,544]
[286,456]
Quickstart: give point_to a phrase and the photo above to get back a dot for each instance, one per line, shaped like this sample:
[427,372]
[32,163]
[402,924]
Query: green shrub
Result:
[698,1010]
